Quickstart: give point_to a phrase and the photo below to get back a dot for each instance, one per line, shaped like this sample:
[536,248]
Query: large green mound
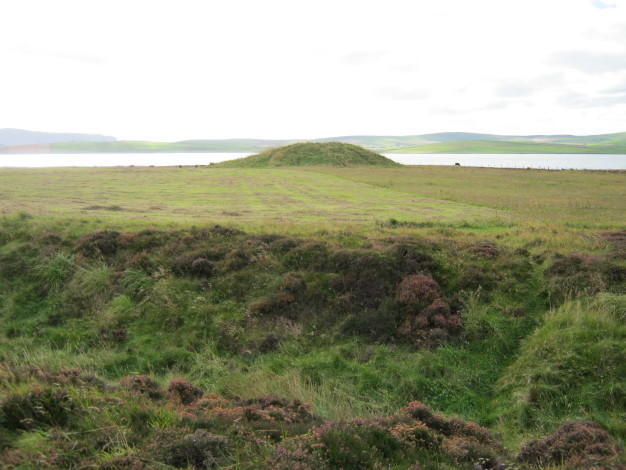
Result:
[313,154]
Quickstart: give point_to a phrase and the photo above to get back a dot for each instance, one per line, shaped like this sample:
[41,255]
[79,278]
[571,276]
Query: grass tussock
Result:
[571,367]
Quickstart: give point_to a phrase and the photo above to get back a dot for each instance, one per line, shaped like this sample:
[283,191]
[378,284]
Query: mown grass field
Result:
[558,211]
[263,197]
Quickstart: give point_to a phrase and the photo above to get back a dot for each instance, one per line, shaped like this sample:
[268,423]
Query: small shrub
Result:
[141,385]
[188,265]
[359,289]
[140,261]
[148,239]
[37,408]
[309,255]
[183,391]
[105,243]
[575,444]
[473,278]
[293,283]
[200,450]
[486,249]
[202,267]
[274,408]
[577,275]
[423,413]
[276,304]
[417,289]
[65,377]
[469,449]
[269,343]
[410,259]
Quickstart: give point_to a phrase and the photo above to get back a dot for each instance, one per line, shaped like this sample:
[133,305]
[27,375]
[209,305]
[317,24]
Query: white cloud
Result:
[402,94]
[580,100]
[591,62]
[602,5]
[362,57]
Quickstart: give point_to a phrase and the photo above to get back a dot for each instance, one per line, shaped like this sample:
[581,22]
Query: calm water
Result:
[550,161]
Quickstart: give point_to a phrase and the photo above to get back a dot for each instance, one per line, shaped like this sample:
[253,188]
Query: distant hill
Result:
[442,142]
[378,142]
[312,154]
[511,147]
[24,137]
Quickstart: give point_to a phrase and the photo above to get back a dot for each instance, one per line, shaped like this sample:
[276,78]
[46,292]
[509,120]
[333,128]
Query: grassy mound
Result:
[313,154]
[574,361]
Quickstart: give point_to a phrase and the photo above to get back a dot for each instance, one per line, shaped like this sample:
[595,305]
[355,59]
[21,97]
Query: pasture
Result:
[534,209]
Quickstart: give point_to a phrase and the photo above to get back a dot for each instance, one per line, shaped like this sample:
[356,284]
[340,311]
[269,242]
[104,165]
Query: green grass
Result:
[143,196]
[534,209]
[580,198]
[486,146]
[312,154]
[573,364]
[519,366]
[561,211]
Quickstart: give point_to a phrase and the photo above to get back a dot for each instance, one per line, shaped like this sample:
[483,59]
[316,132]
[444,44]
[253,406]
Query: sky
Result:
[301,69]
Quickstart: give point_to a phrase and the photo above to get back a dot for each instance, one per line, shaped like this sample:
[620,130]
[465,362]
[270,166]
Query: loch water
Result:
[541,161]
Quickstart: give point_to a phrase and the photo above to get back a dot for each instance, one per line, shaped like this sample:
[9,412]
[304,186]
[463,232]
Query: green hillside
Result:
[485,146]
[379,142]
[448,142]
[313,154]
[228,145]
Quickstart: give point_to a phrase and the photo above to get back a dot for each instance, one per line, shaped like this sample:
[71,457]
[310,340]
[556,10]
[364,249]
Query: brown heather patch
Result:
[575,445]
[486,249]
[617,239]
[37,408]
[376,442]
[575,275]
[104,243]
[183,391]
[416,290]
[142,385]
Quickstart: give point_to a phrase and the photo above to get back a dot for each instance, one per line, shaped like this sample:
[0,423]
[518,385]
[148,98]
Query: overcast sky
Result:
[173,70]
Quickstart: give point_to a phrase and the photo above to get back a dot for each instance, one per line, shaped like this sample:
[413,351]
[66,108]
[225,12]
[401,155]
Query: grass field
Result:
[208,195]
[534,209]
[592,199]
[136,333]
[486,146]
